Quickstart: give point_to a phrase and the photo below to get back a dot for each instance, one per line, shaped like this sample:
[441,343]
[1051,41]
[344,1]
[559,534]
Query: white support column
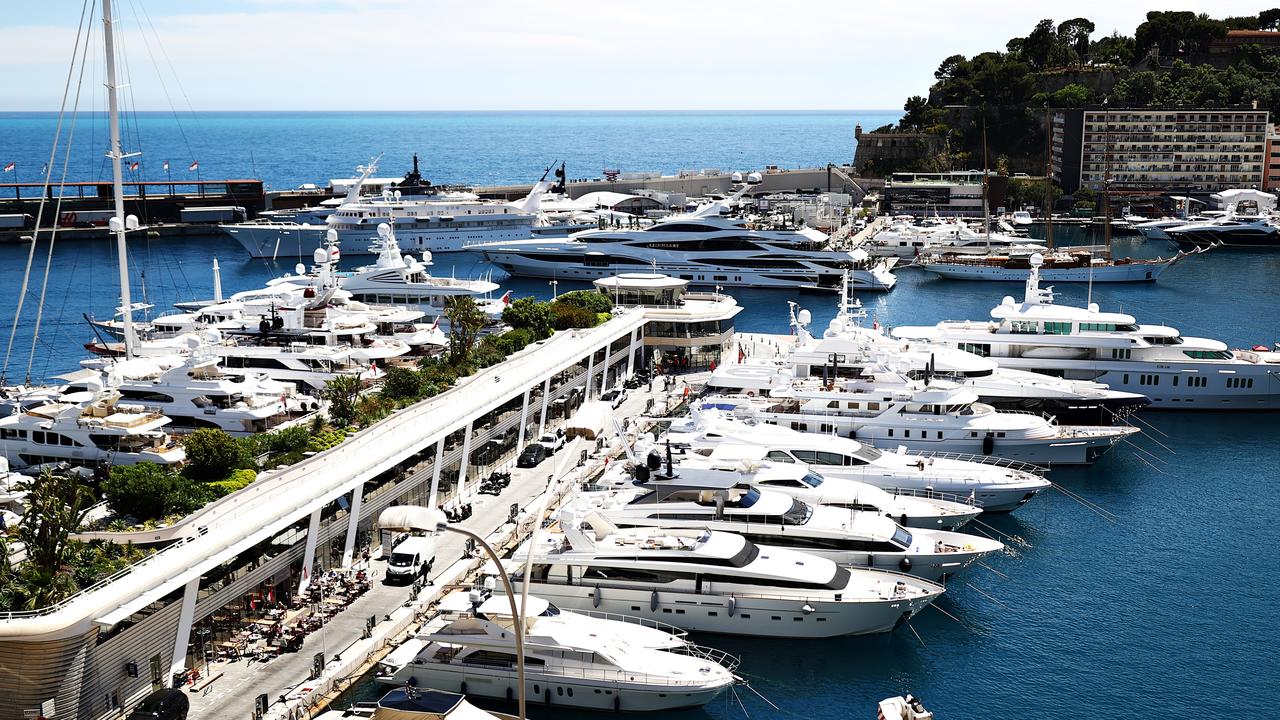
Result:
[591,368]
[631,353]
[524,420]
[185,620]
[436,469]
[353,525]
[546,402]
[309,555]
[466,458]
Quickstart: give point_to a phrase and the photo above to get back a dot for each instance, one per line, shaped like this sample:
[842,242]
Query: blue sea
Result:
[1164,612]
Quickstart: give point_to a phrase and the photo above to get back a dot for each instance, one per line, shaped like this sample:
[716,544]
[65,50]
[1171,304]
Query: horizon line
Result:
[166,111]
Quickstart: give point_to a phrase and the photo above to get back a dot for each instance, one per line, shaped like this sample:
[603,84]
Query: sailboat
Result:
[1070,264]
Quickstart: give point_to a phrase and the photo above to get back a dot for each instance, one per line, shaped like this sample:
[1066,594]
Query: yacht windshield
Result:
[749,498]
[551,611]
[812,479]
[902,538]
[799,514]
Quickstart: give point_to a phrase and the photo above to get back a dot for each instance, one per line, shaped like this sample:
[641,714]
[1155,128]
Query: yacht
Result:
[195,392]
[702,247]
[87,428]
[884,407]
[1063,265]
[748,464]
[994,484]
[1085,343]
[413,703]
[571,659]
[1232,232]
[845,347]
[906,240]
[708,581]
[722,501]
[1156,229]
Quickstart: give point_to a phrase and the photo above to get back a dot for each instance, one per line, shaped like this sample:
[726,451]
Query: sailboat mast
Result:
[117,178]
[986,172]
[1106,177]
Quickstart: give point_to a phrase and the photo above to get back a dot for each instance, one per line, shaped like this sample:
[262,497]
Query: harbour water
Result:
[1164,612]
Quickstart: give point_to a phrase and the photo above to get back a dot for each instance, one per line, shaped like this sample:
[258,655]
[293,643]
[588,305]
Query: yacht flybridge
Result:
[994,484]
[572,659]
[1112,348]
[708,581]
[702,247]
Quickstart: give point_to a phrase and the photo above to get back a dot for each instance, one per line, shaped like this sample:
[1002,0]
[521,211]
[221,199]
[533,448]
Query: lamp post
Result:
[555,293]
[442,525]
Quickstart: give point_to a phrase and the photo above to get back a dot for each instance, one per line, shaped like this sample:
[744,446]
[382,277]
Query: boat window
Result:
[1208,354]
[798,513]
[780,456]
[902,538]
[749,498]
[1175,340]
[1023,326]
[551,611]
[1057,328]
[979,349]
[812,479]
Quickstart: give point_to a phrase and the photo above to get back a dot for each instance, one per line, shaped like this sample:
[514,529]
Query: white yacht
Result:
[707,581]
[994,484]
[195,392]
[702,247]
[412,703]
[846,347]
[907,240]
[1062,265]
[748,464]
[721,501]
[884,407]
[1112,348]
[571,659]
[87,428]
[1260,232]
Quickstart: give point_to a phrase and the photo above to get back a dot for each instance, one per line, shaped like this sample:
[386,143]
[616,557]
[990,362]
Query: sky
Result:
[511,55]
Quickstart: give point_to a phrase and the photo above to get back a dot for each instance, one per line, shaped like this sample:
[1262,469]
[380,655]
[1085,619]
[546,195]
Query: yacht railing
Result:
[613,675]
[934,495]
[985,460]
[712,655]
[632,620]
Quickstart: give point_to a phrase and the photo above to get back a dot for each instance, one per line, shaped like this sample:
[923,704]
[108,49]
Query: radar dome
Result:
[754,179]
[300,268]
[1093,307]
[1007,301]
[1036,260]
[320,255]
[331,235]
[735,178]
[426,257]
[805,317]
[383,230]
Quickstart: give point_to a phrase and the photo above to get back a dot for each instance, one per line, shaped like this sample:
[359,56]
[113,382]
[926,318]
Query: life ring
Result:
[751,393]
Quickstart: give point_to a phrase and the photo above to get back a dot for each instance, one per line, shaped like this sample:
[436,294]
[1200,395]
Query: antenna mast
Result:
[117,180]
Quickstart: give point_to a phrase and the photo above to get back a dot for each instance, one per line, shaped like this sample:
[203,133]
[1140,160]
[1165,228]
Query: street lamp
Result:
[555,293]
[432,519]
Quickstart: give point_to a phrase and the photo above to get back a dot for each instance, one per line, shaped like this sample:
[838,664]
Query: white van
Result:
[411,559]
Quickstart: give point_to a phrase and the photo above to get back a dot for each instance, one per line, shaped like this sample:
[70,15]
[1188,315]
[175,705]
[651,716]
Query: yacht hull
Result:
[268,241]
[1135,272]
[991,497]
[1071,411]
[738,614]
[1227,386]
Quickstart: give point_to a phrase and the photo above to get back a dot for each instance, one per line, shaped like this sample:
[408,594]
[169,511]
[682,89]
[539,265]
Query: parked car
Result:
[533,455]
[552,441]
[614,397]
[166,704]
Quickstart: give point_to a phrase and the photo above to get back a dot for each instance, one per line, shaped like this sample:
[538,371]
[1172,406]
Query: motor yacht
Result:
[905,240]
[195,392]
[702,247]
[749,465]
[1112,348]
[87,428]
[885,408]
[722,501]
[1063,265]
[411,703]
[994,484]
[1230,232]
[709,581]
[571,659]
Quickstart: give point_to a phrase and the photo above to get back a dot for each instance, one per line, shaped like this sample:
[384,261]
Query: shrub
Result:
[567,316]
[147,491]
[212,455]
[342,393]
[326,439]
[239,480]
[402,384]
[529,314]
[587,300]
[513,341]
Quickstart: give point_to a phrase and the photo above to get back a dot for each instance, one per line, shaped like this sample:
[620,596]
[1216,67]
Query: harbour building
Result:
[1164,149]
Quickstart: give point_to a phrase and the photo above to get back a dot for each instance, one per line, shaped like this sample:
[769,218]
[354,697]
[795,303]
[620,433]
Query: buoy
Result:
[905,564]
[988,444]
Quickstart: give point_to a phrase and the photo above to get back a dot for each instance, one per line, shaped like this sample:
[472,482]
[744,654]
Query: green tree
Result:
[1039,47]
[402,384]
[1074,34]
[567,316]
[1114,49]
[466,319]
[1269,19]
[342,392]
[144,491]
[212,454]
[950,68]
[529,314]
[916,113]
[56,507]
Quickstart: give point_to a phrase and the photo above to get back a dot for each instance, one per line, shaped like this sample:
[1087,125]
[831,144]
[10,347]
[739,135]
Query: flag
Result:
[195,165]
[134,165]
[436,324]
[166,166]
[742,354]
[506,298]
[10,167]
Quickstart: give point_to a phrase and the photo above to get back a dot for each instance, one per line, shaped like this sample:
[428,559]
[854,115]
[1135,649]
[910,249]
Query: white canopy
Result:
[408,518]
